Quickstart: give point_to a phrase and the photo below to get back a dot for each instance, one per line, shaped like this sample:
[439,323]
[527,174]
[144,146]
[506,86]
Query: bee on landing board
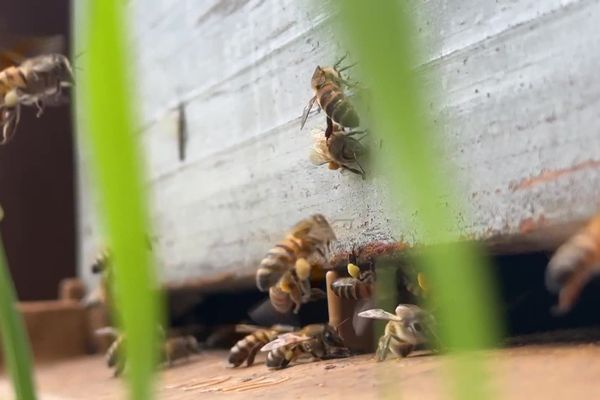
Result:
[171,349]
[339,150]
[247,348]
[286,266]
[410,327]
[327,85]
[574,264]
[37,81]
[319,341]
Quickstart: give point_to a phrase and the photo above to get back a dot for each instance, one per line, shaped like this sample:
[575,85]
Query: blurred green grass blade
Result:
[116,163]
[14,337]
[381,34]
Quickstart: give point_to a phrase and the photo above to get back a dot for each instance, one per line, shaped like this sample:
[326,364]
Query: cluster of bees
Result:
[339,145]
[35,81]
[285,272]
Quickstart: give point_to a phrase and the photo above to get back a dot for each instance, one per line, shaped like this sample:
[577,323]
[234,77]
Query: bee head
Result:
[331,337]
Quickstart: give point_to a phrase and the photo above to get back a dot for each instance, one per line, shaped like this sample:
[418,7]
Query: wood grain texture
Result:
[517,96]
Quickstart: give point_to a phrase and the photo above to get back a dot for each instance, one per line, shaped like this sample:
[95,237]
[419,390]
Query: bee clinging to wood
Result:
[320,341]
[574,264]
[38,81]
[327,84]
[101,265]
[359,285]
[246,348]
[287,267]
[409,328]
[171,349]
[338,150]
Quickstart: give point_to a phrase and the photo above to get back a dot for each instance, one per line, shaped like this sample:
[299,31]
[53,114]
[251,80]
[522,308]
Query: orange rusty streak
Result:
[548,175]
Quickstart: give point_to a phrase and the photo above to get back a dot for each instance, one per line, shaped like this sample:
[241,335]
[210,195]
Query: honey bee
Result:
[293,289]
[246,348]
[171,349]
[320,341]
[409,328]
[101,265]
[326,84]
[338,150]
[286,265]
[358,286]
[38,81]
[574,264]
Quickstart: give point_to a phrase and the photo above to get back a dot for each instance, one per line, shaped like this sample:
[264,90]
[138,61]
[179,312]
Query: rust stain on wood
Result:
[551,175]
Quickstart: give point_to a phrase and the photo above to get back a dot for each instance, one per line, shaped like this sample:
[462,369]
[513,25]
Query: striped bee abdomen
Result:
[246,348]
[354,288]
[280,357]
[277,261]
[337,106]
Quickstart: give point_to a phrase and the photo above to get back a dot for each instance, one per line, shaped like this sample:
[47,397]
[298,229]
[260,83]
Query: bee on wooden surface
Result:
[171,349]
[574,264]
[409,328]
[327,83]
[359,285]
[320,341]
[338,150]
[246,348]
[308,238]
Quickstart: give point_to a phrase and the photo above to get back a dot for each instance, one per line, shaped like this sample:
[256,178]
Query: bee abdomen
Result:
[352,288]
[281,357]
[278,260]
[280,300]
[337,106]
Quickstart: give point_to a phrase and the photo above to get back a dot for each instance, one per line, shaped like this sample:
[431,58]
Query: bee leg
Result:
[404,350]
[383,346]
[40,108]
[338,62]
[252,354]
[9,119]
[329,129]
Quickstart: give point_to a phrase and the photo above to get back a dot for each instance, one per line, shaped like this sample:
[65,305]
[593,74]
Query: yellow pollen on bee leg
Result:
[11,98]
[333,165]
[422,282]
[353,270]
[302,268]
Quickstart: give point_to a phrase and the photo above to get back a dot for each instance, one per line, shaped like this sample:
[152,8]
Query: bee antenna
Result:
[337,327]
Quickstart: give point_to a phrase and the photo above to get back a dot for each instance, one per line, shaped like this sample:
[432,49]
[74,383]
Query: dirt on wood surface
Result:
[565,371]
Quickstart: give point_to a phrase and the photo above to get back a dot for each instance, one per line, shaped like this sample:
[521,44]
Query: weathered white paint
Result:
[519,95]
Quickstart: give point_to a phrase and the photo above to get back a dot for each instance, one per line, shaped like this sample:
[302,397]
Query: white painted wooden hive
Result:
[519,93]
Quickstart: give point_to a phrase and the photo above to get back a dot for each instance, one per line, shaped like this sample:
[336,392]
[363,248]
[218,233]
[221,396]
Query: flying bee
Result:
[574,264]
[327,83]
[320,341]
[409,328]
[171,349]
[338,151]
[285,271]
[246,348]
[358,286]
[38,81]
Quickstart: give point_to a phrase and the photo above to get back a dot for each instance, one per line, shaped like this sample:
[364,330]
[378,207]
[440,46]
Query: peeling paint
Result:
[551,175]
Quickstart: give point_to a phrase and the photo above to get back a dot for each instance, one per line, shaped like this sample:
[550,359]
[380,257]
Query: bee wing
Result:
[306,111]
[378,313]
[284,340]
[283,328]
[14,49]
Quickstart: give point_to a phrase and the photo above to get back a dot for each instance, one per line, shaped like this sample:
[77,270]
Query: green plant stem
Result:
[14,337]
[117,167]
